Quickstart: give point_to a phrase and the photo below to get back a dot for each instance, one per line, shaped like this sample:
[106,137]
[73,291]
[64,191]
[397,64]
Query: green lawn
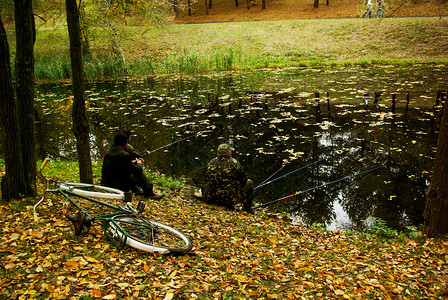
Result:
[201,48]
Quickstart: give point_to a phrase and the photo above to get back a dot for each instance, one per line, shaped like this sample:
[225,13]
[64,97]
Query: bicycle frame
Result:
[115,233]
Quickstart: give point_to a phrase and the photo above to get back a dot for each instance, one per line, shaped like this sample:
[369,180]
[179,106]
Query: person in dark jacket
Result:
[134,153]
[122,172]
[227,182]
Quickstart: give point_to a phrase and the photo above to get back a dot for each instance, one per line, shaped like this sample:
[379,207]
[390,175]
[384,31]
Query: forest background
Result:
[286,33]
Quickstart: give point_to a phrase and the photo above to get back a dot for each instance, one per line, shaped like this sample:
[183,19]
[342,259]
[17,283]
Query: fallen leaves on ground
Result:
[236,256]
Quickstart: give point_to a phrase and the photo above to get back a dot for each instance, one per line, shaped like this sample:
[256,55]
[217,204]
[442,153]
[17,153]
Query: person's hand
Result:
[138,161]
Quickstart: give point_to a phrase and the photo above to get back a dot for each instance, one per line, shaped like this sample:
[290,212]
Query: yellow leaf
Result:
[172,274]
[32,292]
[49,288]
[72,263]
[9,266]
[339,292]
[146,268]
[254,293]
[95,293]
[39,269]
[46,264]
[123,284]
[91,259]
[169,296]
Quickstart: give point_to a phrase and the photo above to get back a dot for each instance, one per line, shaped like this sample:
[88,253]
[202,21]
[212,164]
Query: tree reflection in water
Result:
[276,118]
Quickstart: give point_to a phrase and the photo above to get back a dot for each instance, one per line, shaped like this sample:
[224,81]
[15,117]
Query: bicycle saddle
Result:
[80,221]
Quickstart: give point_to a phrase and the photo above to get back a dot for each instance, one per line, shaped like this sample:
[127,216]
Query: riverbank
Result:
[203,48]
[235,255]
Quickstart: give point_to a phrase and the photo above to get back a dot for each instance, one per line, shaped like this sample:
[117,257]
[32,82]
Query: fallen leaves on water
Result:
[236,256]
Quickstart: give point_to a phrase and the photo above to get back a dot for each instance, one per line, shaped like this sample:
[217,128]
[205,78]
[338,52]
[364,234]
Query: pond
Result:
[311,132]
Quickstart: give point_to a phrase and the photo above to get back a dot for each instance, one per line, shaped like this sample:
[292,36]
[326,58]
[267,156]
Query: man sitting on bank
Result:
[121,172]
[227,182]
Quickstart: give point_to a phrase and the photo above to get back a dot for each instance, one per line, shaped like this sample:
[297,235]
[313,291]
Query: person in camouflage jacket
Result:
[227,182]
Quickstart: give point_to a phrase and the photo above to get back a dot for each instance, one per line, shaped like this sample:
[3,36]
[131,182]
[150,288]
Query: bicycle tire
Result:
[92,190]
[150,236]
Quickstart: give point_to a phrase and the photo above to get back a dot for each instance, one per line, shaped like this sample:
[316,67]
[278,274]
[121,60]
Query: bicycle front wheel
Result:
[92,190]
[150,236]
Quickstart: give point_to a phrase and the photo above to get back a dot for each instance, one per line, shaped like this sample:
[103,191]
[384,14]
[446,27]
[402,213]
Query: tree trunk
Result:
[316,3]
[206,7]
[25,38]
[436,208]
[236,3]
[263,4]
[13,182]
[80,122]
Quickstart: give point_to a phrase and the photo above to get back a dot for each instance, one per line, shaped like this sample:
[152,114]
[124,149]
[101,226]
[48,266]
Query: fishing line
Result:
[167,145]
[329,192]
[272,174]
[268,182]
[319,186]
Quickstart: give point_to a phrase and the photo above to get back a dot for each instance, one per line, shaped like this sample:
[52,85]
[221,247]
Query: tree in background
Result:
[110,15]
[24,75]
[436,209]
[80,123]
[13,182]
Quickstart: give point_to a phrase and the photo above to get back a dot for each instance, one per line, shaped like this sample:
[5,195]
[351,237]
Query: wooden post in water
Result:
[443,99]
[317,96]
[407,104]
[438,97]
[394,99]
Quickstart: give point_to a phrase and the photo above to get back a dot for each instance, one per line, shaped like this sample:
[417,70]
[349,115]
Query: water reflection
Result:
[287,118]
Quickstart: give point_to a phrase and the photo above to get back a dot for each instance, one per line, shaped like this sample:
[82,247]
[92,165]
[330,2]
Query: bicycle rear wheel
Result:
[150,236]
[92,190]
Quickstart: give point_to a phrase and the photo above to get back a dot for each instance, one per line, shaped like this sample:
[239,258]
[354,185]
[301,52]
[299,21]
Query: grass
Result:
[202,48]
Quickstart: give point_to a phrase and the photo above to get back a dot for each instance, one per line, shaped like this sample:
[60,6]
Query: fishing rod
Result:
[319,186]
[175,142]
[268,182]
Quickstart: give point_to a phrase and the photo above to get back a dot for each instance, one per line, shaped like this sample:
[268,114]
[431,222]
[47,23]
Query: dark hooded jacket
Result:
[119,170]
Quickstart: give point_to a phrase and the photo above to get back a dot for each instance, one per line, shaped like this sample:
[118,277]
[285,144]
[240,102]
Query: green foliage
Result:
[225,58]
[378,227]
[53,67]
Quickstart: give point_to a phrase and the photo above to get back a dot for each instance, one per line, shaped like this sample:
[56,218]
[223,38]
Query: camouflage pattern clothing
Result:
[227,183]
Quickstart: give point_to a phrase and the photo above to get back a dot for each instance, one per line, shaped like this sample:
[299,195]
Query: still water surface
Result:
[279,122]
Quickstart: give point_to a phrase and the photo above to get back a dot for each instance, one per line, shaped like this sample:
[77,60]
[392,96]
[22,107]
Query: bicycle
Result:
[124,225]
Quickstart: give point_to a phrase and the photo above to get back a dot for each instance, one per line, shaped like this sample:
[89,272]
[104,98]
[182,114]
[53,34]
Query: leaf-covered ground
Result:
[236,256]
